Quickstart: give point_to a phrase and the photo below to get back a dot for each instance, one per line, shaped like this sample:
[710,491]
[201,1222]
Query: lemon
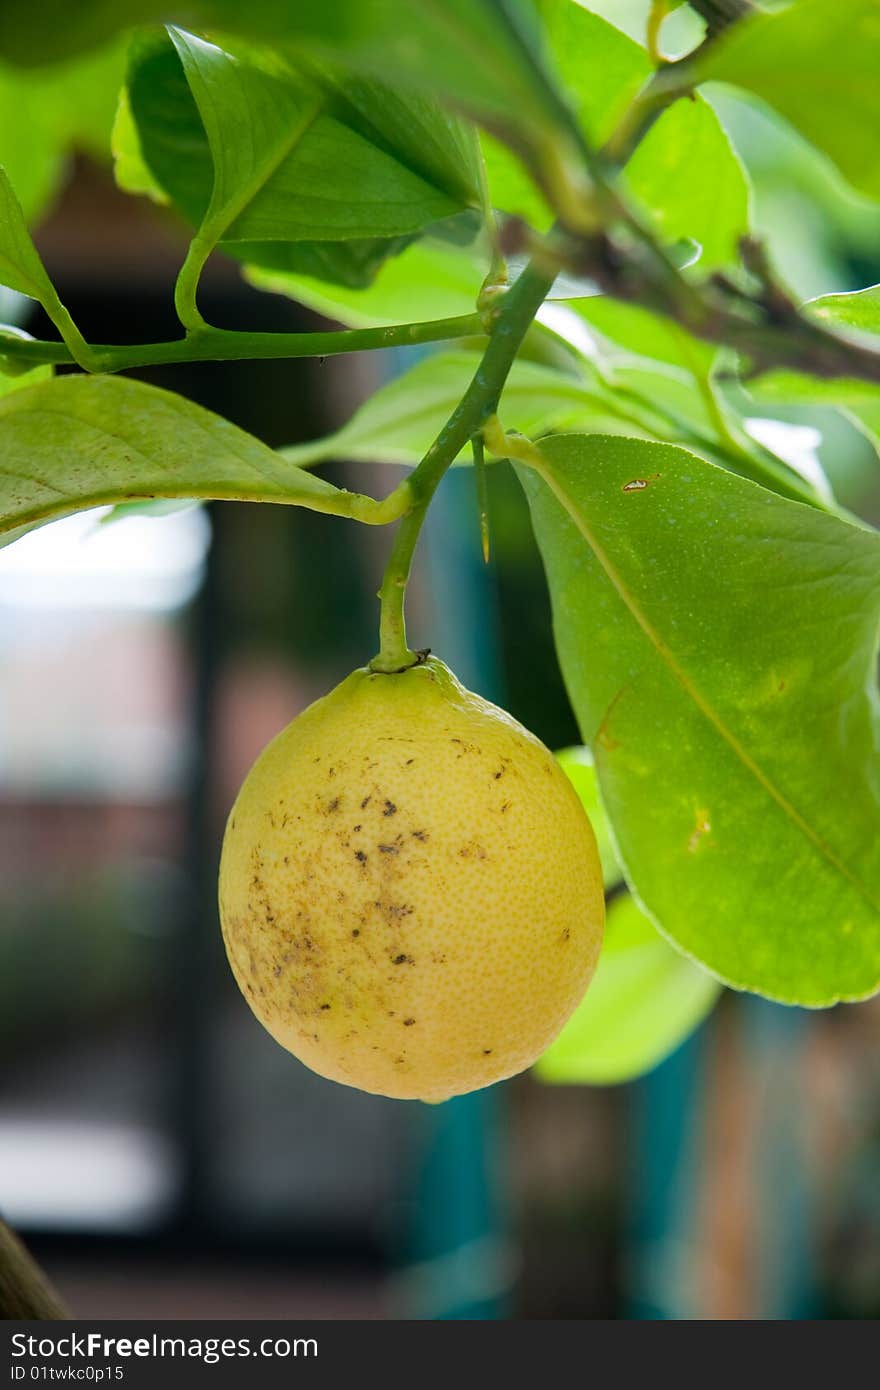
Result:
[410,890]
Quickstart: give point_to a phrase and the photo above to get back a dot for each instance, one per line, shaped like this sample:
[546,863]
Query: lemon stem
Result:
[517,309]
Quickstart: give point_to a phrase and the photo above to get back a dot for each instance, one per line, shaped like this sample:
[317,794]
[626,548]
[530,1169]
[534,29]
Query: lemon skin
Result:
[410,891]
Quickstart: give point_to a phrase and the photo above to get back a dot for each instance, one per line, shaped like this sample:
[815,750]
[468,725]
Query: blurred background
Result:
[159,1153]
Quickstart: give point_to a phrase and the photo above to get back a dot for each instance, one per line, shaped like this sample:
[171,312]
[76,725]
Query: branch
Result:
[222,345]
[671,80]
[763,323]
[517,310]
[25,1292]
[718,14]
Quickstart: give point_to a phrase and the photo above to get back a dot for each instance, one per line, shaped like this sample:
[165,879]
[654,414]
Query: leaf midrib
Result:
[694,693]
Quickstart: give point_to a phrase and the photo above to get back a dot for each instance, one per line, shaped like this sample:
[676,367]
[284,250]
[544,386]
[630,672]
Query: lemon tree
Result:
[560,209]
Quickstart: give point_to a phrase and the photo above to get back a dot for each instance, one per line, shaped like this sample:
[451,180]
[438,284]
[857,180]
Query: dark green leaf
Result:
[645,999]
[482,56]
[285,169]
[719,645]
[255,155]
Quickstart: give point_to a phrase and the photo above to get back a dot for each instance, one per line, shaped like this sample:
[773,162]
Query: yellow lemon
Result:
[410,891]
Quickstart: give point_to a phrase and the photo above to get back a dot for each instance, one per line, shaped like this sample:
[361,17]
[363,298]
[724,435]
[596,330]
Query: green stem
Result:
[480,400]
[224,345]
[187,284]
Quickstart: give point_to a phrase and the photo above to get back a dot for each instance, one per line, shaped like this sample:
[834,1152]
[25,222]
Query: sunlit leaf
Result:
[719,646]
[645,999]
[578,766]
[816,63]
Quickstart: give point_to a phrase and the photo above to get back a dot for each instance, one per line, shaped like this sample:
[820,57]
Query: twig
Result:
[718,14]
[765,325]
[25,1292]
[225,345]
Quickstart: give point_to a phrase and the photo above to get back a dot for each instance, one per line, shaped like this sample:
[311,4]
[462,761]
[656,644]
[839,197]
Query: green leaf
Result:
[17,382]
[79,442]
[689,178]
[29,152]
[256,156]
[44,113]
[859,310]
[601,70]
[857,314]
[645,999]
[482,56]
[429,280]
[719,645]
[285,169]
[443,150]
[22,270]
[645,334]
[685,172]
[130,169]
[20,266]
[579,768]
[816,63]
[401,420]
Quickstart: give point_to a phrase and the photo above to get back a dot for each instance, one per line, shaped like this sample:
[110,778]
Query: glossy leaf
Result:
[644,1000]
[719,646]
[79,442]
[253,154]
[816,63]
[579,768]
[285,169]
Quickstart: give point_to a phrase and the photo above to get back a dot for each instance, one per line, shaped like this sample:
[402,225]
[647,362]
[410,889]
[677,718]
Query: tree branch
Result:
[718,14]
[518,308]
[762,322]
[223,345]
[25,1292]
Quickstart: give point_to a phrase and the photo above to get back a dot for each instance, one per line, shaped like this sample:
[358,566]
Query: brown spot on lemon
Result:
[456,922]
